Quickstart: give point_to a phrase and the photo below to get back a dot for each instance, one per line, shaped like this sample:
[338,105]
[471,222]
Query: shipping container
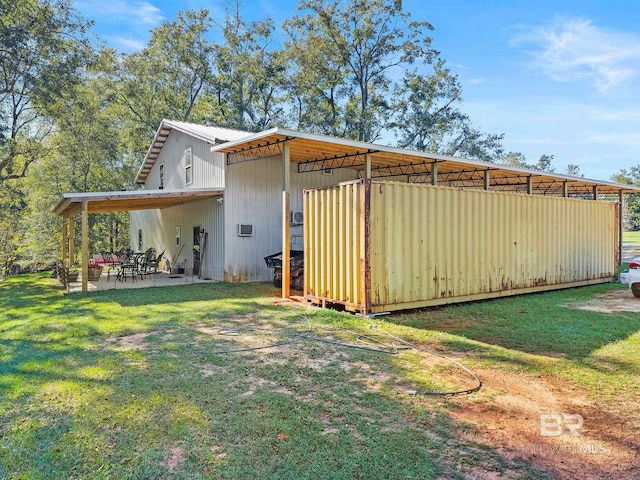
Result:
[376,246]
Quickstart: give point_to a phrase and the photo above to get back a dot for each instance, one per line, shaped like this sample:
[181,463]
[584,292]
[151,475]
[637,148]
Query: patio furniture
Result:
[65,275]
[151,261]
[109,260]
[94,272]
[129,264]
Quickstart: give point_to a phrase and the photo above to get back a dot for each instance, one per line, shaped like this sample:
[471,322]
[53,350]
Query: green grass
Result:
[83,398]
[541,333]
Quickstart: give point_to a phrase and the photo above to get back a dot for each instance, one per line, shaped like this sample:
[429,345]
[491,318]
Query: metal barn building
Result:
[418,229]
[382,228]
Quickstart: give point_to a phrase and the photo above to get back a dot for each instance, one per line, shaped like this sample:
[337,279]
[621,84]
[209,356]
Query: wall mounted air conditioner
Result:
[245,230]
[297,218]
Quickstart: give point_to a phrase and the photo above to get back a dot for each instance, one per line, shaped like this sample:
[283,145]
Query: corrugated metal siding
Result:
[431,245]
[253,195]
[159,231]
[208,168]
[334,248]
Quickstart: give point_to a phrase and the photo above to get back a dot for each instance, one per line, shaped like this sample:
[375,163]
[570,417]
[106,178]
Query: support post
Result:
[286,223]
[63,249]
[565,189]
[434,174]
[595,192]
[72,242]
[487,179]
[85,246]
[529,185]
[620,225]
[367,165]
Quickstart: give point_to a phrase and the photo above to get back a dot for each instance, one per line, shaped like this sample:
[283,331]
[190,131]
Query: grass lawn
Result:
[127,384]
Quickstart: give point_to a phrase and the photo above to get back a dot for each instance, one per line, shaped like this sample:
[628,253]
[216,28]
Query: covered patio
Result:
[84,204]
[110,282]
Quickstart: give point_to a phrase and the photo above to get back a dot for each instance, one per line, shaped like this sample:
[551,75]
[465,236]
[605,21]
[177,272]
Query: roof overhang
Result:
[313,152]
[211,135]
[106,202]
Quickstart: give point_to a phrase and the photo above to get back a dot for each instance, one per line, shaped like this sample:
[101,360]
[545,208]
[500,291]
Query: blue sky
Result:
[556,77]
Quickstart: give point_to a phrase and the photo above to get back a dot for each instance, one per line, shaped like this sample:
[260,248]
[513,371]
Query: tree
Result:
[12,205]
[88,156]
[43,53]
[365,43]
[315,79]
[427,117]
[544,164]
[248,87]
[517,159]
[514,159]
[167,79]
[632,204]
[573,170]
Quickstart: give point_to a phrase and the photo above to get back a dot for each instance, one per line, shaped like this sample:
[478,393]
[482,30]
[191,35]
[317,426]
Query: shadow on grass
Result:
[180,294]
[78,403]
[539,323]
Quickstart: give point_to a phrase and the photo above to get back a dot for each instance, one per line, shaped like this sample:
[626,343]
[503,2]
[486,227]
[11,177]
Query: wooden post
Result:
[367,165]
[529,185]
[72,242]
[620,226]
[434,173]
[565,189]
[487,179]
[286,221]
[63,250]
[85,246]
[595,192]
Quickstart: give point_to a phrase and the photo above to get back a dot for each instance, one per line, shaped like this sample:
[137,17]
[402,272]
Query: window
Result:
[188,166]
[177,236]
[161,186]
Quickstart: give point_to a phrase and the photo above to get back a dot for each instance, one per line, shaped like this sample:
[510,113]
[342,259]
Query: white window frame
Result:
[188,166]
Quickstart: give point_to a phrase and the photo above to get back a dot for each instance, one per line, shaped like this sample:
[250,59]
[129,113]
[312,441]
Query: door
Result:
[197,242]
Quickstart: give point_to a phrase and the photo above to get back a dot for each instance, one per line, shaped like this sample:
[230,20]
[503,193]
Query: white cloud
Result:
[576,49]
[476,81]
[124,44]
[131,12]
[602,139]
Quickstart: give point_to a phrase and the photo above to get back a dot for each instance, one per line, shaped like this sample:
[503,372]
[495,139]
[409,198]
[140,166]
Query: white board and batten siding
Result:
[207,168]
[253,196]
[159,231]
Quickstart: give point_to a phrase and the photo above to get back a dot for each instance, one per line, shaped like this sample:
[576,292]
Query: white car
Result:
[632,277]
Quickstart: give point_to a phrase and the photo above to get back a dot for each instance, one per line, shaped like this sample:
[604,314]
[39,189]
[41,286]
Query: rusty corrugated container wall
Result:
[381,246]
[334,243]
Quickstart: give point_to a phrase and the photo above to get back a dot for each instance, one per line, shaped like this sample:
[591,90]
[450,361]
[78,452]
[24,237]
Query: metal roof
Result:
[312,152]
[103,202]
[212,135]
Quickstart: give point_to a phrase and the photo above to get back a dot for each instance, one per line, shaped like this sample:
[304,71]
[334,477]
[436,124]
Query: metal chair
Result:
[128,263]
[151,261]
[108,259]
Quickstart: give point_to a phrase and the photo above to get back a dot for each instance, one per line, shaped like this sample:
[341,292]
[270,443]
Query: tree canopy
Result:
[76,116]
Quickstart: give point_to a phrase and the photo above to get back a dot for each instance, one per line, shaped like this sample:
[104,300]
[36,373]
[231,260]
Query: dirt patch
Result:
[174,458]
[131,342]
[506,413]
[621,300]
[256,382]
